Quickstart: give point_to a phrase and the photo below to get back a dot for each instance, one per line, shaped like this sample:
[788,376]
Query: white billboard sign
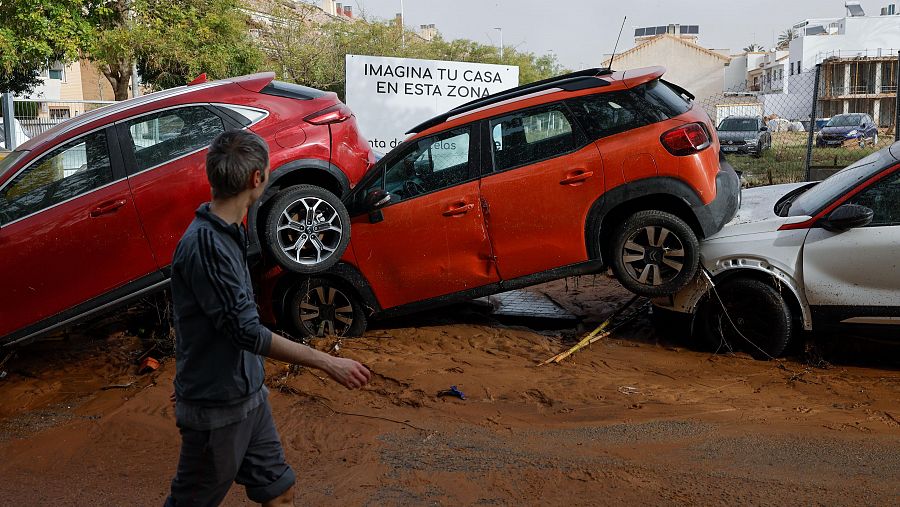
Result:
[392,95]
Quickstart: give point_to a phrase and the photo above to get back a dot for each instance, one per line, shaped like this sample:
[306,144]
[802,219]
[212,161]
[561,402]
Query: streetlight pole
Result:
[500,29]
[402,30]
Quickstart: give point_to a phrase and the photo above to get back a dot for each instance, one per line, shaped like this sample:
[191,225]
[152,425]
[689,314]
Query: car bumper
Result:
[745,148]
[713,216]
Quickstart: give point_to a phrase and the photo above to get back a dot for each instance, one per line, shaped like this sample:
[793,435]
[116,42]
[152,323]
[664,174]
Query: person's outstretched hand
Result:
[347,372]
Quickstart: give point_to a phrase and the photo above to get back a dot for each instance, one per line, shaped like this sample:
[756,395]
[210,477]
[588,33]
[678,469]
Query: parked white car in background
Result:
[810,256]
[21,136]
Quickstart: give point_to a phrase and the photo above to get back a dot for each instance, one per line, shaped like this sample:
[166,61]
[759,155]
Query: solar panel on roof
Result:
[660,30]
[639,32]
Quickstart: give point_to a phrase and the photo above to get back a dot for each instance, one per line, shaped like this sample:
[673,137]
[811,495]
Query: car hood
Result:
[736,135]
[757,211]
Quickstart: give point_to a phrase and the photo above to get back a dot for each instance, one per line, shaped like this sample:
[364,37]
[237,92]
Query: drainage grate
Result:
[523,303]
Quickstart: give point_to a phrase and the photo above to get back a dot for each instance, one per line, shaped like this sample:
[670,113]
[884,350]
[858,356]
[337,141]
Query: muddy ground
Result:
[633,419]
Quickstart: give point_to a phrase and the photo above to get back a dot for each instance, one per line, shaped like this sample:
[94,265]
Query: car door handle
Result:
[577,177]
[107,207]
[460,209]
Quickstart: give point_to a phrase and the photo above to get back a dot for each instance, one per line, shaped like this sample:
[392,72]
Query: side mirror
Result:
[846,217]
[377,198]
[763,128]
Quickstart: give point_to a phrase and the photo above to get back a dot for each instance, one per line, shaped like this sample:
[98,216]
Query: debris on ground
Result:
[453,391]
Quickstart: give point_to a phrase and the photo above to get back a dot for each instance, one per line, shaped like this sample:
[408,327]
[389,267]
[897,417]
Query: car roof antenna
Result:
[609,67]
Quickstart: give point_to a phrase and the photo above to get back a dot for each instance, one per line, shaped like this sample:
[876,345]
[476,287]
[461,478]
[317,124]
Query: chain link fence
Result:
[810,123]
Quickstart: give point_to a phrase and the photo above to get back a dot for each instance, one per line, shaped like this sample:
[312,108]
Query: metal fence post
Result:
[897,102]
[9,126]
[812,122]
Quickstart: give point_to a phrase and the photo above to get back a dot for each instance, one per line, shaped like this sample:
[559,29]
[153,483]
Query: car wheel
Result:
[307,229]
[325,307]
[654,253]
[755,318]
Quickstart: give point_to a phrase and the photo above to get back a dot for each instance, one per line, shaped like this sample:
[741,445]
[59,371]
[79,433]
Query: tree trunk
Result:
[119,76]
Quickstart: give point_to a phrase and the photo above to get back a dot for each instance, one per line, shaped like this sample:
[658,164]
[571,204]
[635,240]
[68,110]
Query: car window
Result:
[606,114]
[73,169]
[427,165]
[884,199]
[739,124]
[167,135]
[530,136]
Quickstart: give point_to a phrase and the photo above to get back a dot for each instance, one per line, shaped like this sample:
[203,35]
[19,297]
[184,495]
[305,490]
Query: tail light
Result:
[686,139]
[333,114]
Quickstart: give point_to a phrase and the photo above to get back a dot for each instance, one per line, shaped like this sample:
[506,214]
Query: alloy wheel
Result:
[653,255]
[309,230]
[325,311]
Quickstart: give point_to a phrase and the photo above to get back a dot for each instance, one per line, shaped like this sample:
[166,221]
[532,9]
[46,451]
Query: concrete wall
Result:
[693,69]
[736,73]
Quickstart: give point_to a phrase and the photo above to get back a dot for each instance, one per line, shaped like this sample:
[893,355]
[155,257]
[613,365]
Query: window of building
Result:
[73,169]
[165,136]
[792,68]
[798,67]
[60,113]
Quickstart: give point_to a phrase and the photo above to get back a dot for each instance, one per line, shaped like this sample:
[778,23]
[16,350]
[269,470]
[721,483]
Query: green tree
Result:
[312,53]
[171,41]
[752,48]
[179,39]
[34,33]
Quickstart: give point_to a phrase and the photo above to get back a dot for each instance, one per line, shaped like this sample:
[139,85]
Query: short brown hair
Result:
[232,158]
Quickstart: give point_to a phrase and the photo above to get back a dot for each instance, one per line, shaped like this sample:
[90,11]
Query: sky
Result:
[581,32]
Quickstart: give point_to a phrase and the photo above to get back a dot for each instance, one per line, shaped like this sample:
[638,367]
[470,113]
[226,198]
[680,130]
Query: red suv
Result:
[561,177]
[91,210]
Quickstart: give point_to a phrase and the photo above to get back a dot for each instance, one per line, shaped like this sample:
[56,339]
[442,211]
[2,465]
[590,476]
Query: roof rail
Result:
[573,81]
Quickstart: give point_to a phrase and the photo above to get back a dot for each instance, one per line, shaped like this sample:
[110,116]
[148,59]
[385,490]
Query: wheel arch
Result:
[664,194]
[688,300]
[297,172]
[342,272]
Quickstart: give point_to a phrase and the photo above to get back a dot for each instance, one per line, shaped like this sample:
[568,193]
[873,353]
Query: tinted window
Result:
[530,136]
[66,172]
[845,120]
[606,114]
[739,124]
[884,199]
[167,135]
[430,164]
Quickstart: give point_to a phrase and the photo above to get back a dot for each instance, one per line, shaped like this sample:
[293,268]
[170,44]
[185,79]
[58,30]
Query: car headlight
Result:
[852,133]
[752,140]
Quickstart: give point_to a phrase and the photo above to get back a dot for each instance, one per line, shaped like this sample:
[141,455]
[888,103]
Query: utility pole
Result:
[9,126]
[500,29]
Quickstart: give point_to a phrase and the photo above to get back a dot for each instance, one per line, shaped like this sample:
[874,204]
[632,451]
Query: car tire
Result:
[758,320]
[325,307]
[654,253]
[307,229]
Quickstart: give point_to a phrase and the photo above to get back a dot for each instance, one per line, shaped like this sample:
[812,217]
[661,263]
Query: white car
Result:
[21,136]
[809,256]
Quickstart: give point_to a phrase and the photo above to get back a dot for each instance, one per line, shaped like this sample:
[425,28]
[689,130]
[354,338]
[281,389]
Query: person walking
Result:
[221,403]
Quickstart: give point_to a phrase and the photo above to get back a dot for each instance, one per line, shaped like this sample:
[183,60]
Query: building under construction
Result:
[861,82]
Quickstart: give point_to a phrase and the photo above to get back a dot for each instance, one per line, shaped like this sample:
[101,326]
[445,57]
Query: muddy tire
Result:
[306,229]
[325,307]
[760,320]
[654,253]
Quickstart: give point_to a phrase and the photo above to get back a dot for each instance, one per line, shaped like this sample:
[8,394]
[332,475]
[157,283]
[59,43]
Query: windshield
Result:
[845,120]
[818,197]
[742,124]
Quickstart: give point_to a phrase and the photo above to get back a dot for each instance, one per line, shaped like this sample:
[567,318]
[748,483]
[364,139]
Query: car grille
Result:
[733,143]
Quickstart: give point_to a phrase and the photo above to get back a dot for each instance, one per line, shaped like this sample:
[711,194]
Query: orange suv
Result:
[562,177]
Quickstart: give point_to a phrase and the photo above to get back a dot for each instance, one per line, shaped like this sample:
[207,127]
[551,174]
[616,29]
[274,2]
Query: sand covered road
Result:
[632,419]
